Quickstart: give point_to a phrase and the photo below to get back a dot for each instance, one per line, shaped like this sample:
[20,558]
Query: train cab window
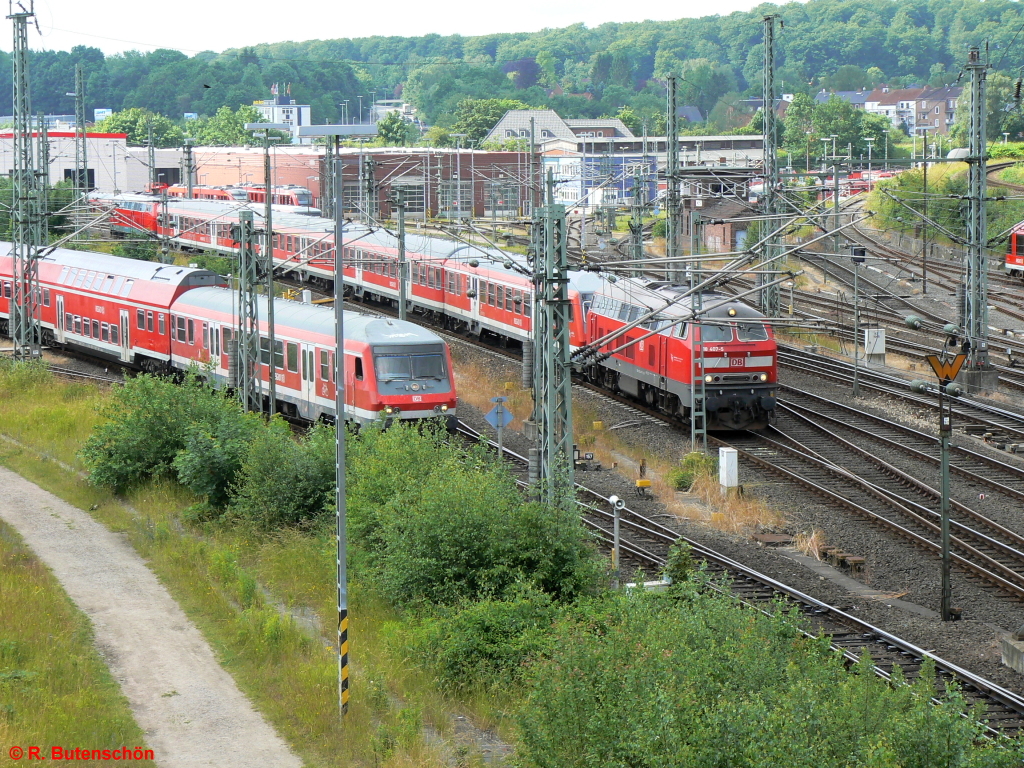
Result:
[46,297]
[95,329]
[1019,238]
[149,322]
[709,333]
[683,330]
[114,334]
[264,350]
[78,325]
[751,332]
[161,324]
[278,355]
[293,357]
[191,331]
[359,368]
[104,332]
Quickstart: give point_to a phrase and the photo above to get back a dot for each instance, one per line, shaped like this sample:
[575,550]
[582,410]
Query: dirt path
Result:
[190,709]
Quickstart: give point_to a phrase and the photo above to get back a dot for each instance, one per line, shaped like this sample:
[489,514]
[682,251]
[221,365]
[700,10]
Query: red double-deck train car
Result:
[488,292]
[163,317]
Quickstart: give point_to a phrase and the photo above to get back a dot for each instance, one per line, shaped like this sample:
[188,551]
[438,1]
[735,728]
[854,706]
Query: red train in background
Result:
[287,194]
[1015,254]
[160,318]
[485,292]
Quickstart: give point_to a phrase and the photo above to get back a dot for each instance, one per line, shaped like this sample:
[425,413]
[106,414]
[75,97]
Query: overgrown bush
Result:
[714,685]
[659,229]
[150,421]
[692,466]
[445,526]
[284,481]
[487,643]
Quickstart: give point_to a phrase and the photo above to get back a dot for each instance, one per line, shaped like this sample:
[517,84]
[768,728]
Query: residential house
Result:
[898,106]
[936,109]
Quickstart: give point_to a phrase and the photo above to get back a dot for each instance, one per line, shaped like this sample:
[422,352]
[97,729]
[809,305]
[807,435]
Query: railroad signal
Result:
[946,370]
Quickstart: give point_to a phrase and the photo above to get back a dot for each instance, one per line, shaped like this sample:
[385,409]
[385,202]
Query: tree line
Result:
[578,71]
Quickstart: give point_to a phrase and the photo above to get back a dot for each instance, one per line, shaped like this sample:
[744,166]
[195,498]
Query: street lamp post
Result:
[870,142]
[807,160]
[1006,135]
[360,109]
[886,149]
[824,152]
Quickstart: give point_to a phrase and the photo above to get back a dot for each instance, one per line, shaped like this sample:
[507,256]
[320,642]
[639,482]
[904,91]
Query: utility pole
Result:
[698,390]
[532,184]
[769,293]
[43,175]
[248,382]
[25,327]
[151,154]
[974,309]
[672,176]
[327,181]
[190,171]
[403,265]
[81,151]
[371,211]
[267,250]
[551,462]
[924,231]
[636,224]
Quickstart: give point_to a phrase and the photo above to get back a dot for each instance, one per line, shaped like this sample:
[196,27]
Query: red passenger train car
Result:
[160,318]
[1015,254]
[487,292]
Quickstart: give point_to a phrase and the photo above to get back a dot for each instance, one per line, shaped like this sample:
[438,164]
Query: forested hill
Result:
[842,44]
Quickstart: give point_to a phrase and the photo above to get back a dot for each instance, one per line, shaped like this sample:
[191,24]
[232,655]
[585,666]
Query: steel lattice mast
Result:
[769,293]
[81,152]
[552,459]
[248,384]
[974,307]
[25,215]
[672,177]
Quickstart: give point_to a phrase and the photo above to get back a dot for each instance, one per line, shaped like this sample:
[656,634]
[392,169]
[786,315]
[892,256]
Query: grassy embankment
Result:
[240,588]
[54,687]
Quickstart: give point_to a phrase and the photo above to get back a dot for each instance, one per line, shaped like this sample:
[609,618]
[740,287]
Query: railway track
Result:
[646,542]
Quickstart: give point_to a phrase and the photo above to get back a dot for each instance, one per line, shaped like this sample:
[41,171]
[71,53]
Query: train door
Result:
[126,347]
[309,377]
[60,319]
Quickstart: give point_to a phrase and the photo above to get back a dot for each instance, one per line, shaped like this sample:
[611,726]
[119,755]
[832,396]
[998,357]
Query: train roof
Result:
[118,265]
[654,295]
[313,318]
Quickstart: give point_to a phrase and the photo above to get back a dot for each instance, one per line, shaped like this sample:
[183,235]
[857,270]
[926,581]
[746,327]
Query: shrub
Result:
[660,228]
[487,642]
[212,454]
[693,465]
[718,685]
[442,525]
[284,481]
[149,422]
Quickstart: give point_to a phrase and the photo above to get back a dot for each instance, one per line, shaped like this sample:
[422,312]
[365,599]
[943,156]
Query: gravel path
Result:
[190,709]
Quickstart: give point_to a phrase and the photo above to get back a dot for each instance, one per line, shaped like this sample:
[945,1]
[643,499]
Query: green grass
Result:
[240,587]
[54,687]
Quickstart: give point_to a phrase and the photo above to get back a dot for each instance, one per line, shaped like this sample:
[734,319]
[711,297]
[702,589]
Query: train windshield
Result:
[238,194]
[303,198]
[409,367]
[751,332]
[715,333]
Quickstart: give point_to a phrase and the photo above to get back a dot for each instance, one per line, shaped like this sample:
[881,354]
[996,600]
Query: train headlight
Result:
[440,408]
[709,378]
[764,377]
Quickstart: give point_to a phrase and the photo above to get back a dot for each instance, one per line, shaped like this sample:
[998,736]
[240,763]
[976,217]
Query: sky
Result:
[192,26]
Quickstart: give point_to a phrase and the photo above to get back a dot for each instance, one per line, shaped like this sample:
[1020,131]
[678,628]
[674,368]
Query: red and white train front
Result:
[727,357]
[1015,254]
